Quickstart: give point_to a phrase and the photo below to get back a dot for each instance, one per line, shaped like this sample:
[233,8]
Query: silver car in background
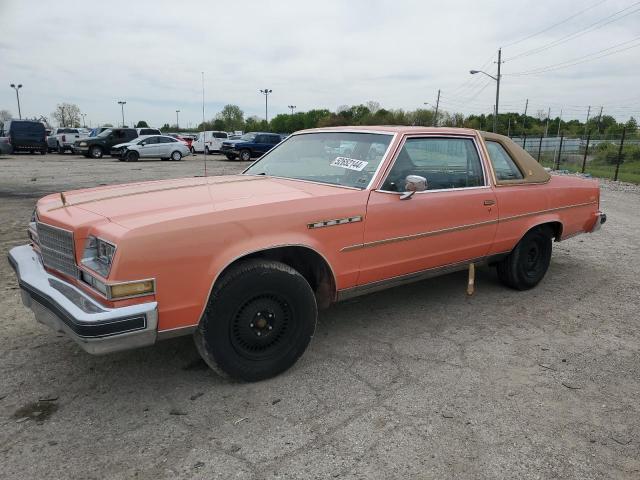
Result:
[163,147]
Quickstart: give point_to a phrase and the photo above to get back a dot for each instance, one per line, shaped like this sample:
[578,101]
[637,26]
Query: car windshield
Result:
[105,133]
[338,158]
[248,137]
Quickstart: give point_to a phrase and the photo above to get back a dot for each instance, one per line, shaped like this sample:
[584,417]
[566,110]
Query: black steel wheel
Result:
[258,322]
[528,263]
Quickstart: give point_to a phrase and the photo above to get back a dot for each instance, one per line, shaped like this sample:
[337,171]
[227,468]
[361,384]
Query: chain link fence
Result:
[615,157]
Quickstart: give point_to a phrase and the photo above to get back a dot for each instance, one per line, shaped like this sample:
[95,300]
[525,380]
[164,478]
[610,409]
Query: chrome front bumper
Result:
[65,308]
[601,218]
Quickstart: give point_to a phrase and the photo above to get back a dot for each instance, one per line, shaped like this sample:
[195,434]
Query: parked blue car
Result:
[250,145]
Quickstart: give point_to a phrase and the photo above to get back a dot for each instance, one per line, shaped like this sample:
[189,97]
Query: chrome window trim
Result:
[393,136]
[474,138]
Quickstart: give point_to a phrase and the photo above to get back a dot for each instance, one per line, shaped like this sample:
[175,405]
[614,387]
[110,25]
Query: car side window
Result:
[503,165]
[151,140]
[259,139]
[444,162]
[274,139]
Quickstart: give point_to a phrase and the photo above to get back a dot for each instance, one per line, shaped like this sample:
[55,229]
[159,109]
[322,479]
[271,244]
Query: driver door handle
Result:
[489,202]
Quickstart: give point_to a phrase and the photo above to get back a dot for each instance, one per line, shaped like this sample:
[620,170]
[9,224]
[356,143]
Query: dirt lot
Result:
[416,382]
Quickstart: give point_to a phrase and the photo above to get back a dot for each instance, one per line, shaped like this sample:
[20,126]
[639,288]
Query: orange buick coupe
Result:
[244,262]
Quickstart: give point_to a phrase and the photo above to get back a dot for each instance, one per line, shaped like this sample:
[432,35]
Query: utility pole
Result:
[586,124]
[84,122]
[292,107]
[266,93]
[435,117]
[599,119]
[16,88]
[546,128]
[559,122]
[524,121]
[177,120]
[495,119]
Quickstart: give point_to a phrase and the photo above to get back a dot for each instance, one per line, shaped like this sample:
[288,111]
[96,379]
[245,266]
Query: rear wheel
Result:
[206,150]
[527,264]
[259,320]
[245,155]
[132,156]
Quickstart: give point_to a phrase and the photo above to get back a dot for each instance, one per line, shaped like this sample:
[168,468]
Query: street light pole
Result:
[266,93]
[84,122]
[177,120]
[292,107]
[122,104]
[16,88]
[497,79]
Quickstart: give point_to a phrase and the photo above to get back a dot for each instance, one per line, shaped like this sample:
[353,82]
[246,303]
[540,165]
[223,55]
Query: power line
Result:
[554,25]
[576,61]
[594,26]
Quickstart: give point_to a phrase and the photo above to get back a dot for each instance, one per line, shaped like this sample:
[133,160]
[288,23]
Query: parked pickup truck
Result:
[62,139]
[250,145]
[243,262]
[102,144]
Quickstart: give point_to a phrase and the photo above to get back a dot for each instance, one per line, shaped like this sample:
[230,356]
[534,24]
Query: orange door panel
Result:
[430,229]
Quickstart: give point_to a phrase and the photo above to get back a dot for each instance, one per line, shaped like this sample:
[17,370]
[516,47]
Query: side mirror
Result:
[413,184]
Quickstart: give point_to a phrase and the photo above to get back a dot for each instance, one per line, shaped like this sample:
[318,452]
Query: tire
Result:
[43,151]
[245,155]
[60,149]
[132,156]
[230,157]
[176,156]
[206,151]
[193,150]
[96,152]
[527,264]
[258,322]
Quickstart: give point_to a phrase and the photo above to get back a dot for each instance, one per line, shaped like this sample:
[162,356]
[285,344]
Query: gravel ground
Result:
[416,382]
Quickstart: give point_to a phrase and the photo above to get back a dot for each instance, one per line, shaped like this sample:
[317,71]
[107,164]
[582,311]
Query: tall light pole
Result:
[292,107]
[497,79]
[16,88]
[266,93]
[177,120]
[84,122]
[122,104]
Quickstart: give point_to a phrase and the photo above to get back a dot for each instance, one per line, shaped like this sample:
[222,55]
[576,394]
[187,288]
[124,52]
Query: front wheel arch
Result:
[313,266]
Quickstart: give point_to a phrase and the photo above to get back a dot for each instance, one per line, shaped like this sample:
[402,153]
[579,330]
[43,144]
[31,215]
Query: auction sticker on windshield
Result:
[349,163]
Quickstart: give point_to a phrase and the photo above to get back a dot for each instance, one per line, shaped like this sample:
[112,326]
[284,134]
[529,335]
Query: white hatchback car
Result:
[152,146]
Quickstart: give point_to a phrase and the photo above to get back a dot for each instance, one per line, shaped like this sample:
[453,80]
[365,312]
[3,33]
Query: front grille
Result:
[57,248]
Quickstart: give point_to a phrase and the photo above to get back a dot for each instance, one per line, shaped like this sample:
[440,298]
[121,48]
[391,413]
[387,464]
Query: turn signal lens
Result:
[131,289]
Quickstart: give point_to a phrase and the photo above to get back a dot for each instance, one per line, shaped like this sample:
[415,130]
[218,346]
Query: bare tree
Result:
[373,106]
[4,116]
[67,115]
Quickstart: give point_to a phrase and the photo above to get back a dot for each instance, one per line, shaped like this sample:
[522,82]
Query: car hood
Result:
[139,204]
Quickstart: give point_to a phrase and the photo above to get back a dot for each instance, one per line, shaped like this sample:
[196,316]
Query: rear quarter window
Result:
[503,165]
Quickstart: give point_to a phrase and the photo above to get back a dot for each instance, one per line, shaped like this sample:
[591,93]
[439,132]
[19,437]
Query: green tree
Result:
[142,124]
[232,116]
[632,125]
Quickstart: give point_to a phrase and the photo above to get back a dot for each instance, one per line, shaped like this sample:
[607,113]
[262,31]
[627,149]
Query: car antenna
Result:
[204,147]
[64,199]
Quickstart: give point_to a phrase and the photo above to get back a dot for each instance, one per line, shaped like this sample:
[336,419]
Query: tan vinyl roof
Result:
[532,171]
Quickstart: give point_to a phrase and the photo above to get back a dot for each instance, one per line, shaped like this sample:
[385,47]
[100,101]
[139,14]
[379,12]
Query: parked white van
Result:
[208,142]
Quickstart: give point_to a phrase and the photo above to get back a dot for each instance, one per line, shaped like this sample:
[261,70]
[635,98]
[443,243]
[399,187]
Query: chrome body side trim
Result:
[65,308]
[457,228]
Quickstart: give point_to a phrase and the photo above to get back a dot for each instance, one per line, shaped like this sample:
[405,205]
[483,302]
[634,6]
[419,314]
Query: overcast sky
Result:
[313,54]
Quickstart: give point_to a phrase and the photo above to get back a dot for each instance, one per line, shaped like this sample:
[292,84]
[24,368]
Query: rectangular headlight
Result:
[98,255]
